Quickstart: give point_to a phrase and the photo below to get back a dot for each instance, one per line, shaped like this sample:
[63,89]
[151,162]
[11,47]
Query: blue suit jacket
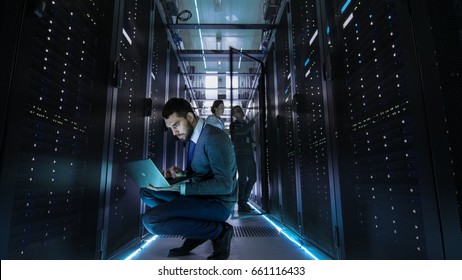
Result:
[214,167]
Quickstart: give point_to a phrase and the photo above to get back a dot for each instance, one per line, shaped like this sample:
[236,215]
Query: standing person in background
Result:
[244,147]
[197,209]
[218,108]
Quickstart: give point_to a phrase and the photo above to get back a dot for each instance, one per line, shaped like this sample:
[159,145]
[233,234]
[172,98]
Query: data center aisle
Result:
[255,238]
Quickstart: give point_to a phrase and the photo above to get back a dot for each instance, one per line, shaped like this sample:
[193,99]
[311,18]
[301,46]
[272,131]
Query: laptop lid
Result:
[145,172]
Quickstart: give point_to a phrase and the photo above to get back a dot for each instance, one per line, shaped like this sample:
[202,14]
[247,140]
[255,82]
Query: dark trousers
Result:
[193,217]
[247,169]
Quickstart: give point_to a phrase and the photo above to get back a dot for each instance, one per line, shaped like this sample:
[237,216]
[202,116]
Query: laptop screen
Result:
[145,172]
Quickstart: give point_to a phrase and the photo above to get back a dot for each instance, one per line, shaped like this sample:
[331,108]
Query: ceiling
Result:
[204,31]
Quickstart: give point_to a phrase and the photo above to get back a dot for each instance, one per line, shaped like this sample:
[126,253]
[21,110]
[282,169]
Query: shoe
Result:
[244,207]
[222,244]
[188,245]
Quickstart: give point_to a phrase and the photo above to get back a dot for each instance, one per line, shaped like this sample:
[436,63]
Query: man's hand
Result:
[256,117]
[173,172]
[172,188]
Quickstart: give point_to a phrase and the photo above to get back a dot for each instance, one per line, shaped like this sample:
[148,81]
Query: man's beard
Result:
[188,133]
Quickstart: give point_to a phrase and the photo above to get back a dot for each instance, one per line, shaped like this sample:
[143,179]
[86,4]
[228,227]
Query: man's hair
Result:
[215,104]
[235,107]
[176,105]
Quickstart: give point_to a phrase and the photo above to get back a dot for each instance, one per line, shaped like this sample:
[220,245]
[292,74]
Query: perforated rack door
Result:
[285,124]
[311,126]
[173,148]
[272,139]
[437,30]
[381,139]
[130,124]
[51,158]
[158,80]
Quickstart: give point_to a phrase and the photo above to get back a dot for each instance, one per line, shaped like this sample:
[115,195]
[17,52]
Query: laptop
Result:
[145,172]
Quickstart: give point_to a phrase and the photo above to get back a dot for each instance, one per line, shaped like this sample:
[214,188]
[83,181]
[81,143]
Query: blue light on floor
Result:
[141,247]
[288,235]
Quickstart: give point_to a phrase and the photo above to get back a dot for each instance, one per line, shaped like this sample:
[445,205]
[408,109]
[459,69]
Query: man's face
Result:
[181,127]
[238,113]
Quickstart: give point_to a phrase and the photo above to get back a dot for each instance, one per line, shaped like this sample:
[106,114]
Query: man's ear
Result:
[190,117]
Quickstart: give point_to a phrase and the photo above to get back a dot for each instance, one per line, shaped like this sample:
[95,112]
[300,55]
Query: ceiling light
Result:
[217,5]
[218,36]
[231,18]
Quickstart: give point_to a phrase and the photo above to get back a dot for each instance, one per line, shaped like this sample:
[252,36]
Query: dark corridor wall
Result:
[76,88]
[53,139]
[363,97]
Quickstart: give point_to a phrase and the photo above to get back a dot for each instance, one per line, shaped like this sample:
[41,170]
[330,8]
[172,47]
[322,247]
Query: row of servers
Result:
[359,135]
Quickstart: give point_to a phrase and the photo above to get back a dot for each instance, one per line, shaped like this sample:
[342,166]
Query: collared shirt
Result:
[197,130]
[194,137]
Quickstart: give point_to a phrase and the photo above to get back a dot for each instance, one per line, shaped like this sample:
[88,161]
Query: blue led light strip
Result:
[142,247]
[288,235]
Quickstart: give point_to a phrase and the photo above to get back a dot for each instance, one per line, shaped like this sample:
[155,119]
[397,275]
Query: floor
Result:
[255,238]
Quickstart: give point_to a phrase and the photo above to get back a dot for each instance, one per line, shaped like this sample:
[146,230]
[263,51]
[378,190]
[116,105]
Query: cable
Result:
[184,15]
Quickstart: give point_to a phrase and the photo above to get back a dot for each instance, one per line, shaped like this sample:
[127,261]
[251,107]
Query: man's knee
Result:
[150,222]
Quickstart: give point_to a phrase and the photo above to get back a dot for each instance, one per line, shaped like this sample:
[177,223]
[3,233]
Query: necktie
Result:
[191,147]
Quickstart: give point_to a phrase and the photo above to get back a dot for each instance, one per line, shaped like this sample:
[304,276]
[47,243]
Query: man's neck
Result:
[195,121]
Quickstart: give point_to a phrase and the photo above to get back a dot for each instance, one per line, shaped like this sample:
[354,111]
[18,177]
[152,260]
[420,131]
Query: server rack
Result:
[437,26]
[386,134]
[168,80]
[287,184]
[273,170]
[127,139]
[173,148]
[78,90]
[158,91]
[317,210]
[53,149]
[382,187]
[381,103]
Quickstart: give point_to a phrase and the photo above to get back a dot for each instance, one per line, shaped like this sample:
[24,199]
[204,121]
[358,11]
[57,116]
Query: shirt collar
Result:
[197,130]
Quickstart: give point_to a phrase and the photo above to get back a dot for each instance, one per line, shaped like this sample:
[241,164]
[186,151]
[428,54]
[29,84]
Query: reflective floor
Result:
[255,238]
